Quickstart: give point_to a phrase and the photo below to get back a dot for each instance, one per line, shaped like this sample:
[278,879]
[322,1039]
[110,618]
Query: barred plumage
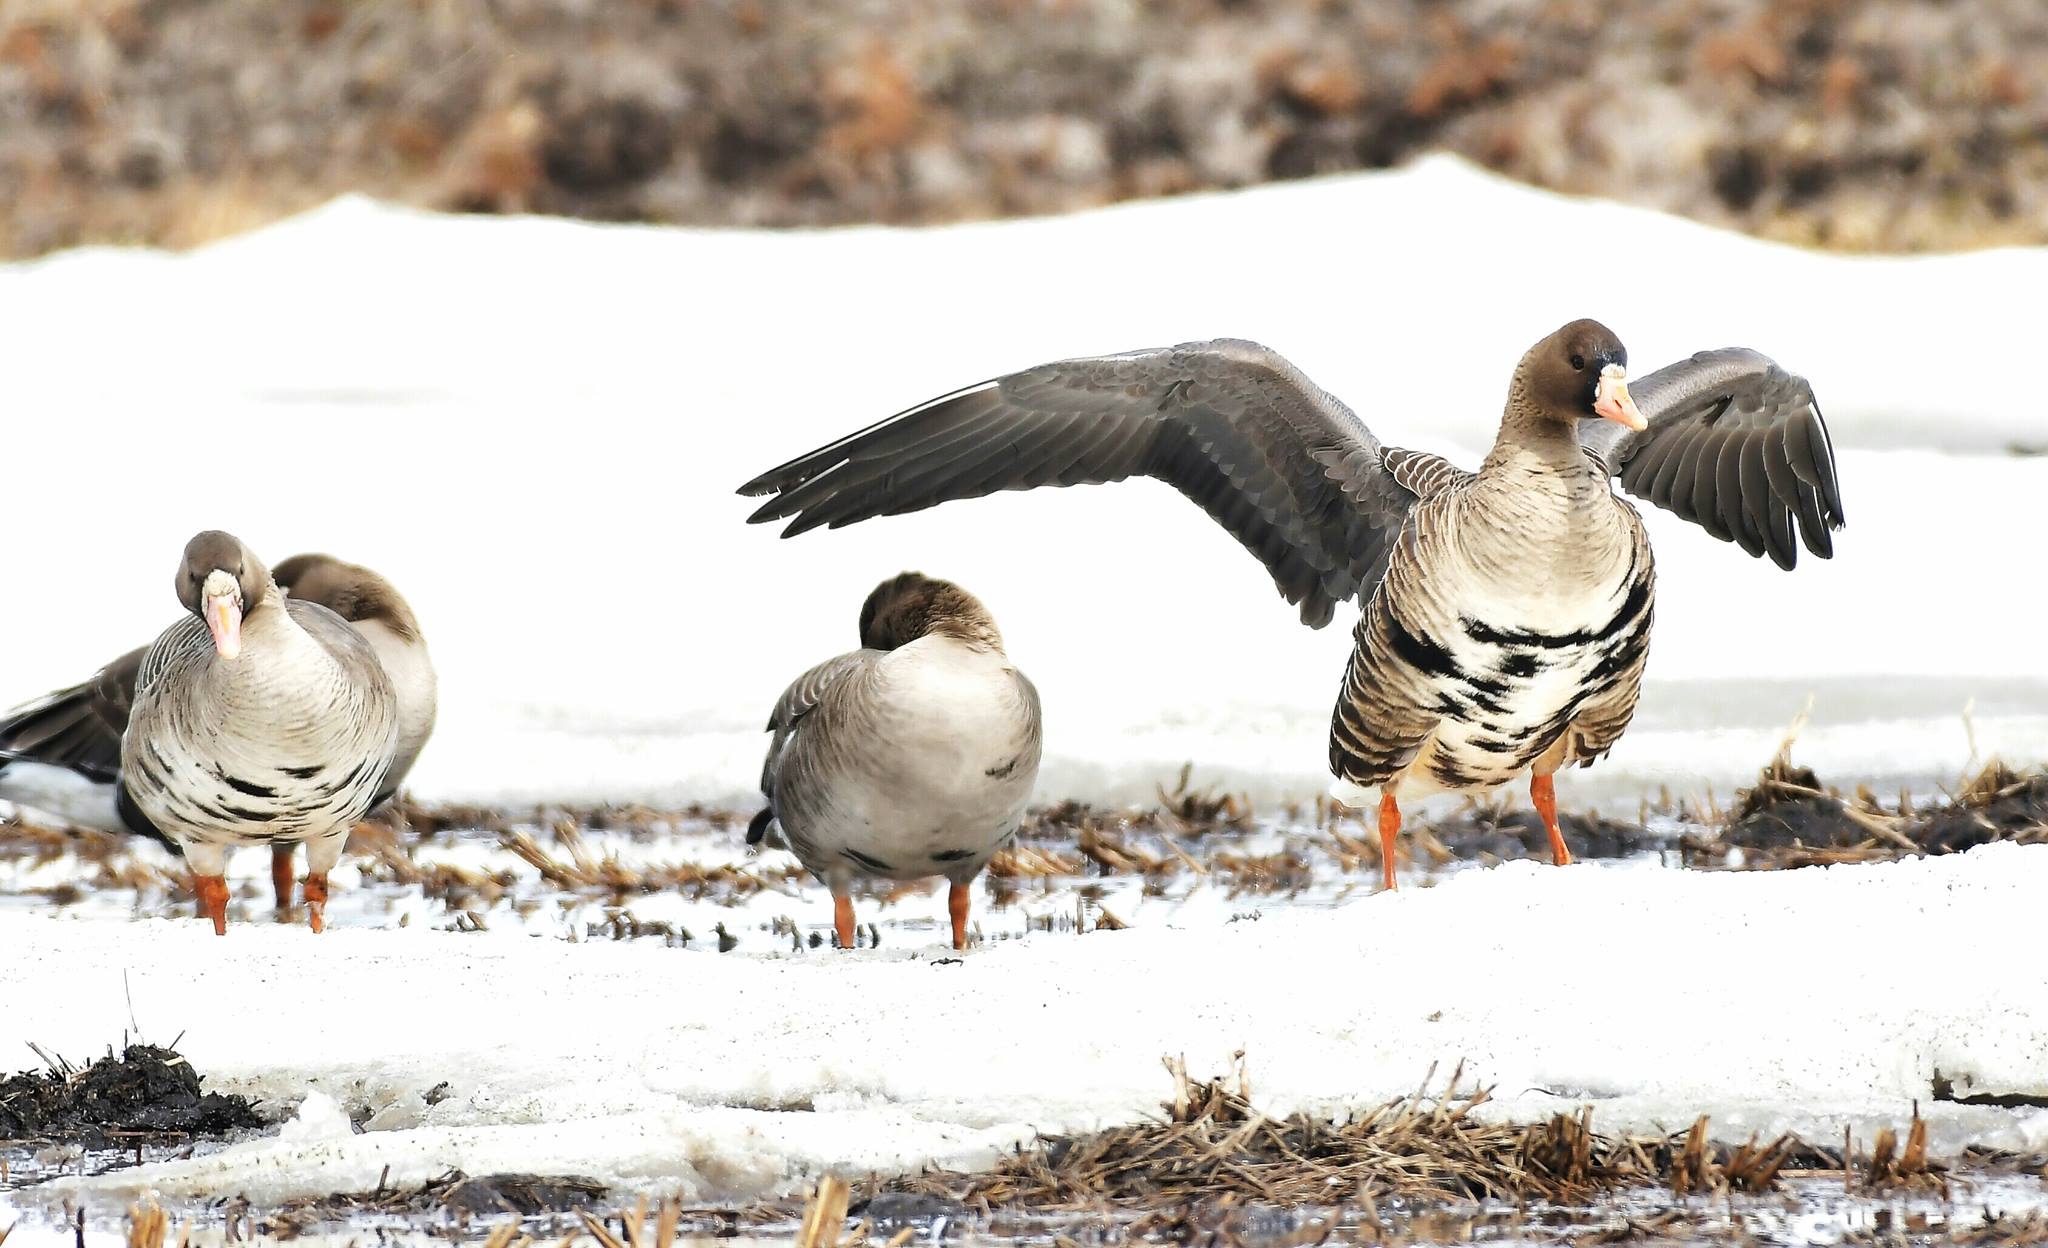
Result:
[78,729]
[257,720]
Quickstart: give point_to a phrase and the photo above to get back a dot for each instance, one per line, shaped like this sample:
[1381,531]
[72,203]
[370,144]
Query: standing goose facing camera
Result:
[910,757]
[1506,611]
[62,752]
[258,719]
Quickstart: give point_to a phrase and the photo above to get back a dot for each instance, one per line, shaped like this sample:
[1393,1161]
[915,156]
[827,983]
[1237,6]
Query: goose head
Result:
[910,605]
[220,581]
[1580,371]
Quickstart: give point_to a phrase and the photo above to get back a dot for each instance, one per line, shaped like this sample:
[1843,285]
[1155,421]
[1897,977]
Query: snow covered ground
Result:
[1777,1000]
[535,427]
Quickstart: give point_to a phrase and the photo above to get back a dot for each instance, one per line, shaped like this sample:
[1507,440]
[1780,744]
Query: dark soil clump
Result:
[1520,834]
[1790,819]
[146,1091]
[486,1196]
[523,1194]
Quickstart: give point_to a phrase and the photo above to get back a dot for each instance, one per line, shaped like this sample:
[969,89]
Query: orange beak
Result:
[224,621]
[1611,401]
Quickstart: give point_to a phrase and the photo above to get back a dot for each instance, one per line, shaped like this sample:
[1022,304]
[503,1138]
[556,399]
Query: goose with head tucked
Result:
[62,752]
[910,757]
[1506,611]
[258,719]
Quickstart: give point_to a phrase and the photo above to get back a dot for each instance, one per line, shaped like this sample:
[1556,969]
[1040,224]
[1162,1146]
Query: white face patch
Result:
[220,585]
[1614,374]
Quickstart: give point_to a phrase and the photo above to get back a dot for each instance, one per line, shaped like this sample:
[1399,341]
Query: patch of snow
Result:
[1800,1000]
[535,428]
[318,1117]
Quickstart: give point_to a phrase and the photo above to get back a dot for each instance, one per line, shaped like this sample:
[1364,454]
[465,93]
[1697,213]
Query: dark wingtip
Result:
[768,511]
[1317,611]
[805,521]
[758,826]
[773,481]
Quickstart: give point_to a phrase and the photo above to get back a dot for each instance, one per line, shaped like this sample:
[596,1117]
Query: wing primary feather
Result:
[1729,497]
[1811,526]
[1812,435]
[1706,473]
[943,430]
[1672,486]
[1778,464]
[915,484]
[873,436]
[1779,535]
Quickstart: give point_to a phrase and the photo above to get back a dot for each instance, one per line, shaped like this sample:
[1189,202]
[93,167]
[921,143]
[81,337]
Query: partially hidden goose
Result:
[64,752]
[1506,611]
[910,757]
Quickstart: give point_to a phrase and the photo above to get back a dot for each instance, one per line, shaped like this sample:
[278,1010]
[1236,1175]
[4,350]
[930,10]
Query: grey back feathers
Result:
[375,608]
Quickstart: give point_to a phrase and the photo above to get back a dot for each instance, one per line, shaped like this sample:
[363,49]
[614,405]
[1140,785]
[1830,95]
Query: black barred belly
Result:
[1507,694]
[202,801]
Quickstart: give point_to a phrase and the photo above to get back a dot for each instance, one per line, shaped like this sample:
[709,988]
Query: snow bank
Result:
[535,428]
[1800,1000]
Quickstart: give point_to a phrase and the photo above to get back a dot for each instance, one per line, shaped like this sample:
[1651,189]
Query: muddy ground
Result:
[1888,124]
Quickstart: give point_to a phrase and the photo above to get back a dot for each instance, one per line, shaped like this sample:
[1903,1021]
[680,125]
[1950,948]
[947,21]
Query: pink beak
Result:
[224,621]
[1611,402]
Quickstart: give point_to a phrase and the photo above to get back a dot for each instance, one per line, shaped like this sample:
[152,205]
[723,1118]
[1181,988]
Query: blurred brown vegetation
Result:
[1895,124]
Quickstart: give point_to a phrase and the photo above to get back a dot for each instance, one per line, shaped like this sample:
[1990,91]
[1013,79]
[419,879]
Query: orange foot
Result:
[213,900]
[1544,794]
[281,874]
[956,901]
[1390,827]
[842,920]
[316,900]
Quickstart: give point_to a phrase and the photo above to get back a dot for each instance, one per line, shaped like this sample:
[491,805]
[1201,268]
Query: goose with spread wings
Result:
[1506,611]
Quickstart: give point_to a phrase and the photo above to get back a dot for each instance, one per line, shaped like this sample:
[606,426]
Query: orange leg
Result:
[281,874]
[956,901]
[1544,793]
[316,900]
[213,900]
[842,920]
[1390,827]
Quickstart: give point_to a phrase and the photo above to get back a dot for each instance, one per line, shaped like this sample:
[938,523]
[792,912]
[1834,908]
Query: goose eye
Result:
[1578,363]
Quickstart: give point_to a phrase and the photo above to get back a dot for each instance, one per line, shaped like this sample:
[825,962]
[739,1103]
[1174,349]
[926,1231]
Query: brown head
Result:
[910,605]
[350,590]
[220,581]
[1579,371]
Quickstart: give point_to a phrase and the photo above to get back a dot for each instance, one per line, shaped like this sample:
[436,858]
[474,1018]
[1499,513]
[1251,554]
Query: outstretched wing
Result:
[1736,445]
[1288,469]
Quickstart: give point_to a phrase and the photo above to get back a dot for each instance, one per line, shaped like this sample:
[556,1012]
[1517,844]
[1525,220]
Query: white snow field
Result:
[1775,1000]
[535,428]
